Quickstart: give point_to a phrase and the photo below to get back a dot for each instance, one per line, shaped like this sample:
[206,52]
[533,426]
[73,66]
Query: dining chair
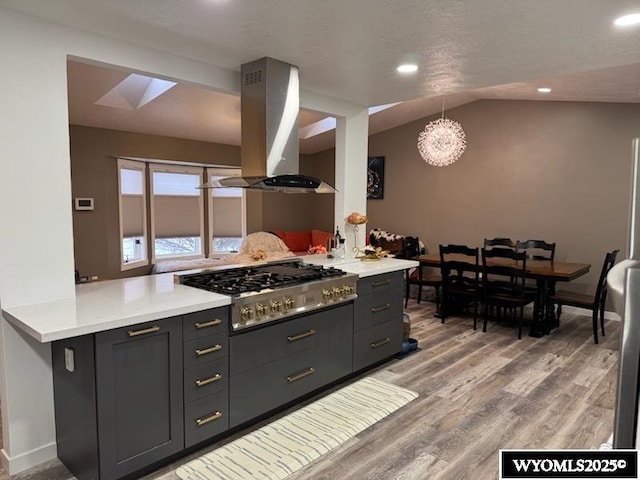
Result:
[499,242]
[504,273]
[537,249]
[421,276]
[595,303]
[460,271]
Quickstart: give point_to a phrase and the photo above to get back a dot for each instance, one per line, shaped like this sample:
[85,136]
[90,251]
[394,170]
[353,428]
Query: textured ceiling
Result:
[349,49]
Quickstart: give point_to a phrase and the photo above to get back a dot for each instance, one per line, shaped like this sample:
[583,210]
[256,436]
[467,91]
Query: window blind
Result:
[176,216]
[226,218]
[132,216]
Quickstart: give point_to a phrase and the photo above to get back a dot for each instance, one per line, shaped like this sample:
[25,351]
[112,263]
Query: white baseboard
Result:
[19,463]
[583,311]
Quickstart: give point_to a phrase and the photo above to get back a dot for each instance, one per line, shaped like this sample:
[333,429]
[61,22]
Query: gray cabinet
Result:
[139,395]
[378,319]
[130,397]
[206,375]
[273,366]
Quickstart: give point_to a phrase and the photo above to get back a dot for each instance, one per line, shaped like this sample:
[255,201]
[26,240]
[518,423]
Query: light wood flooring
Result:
[479,392]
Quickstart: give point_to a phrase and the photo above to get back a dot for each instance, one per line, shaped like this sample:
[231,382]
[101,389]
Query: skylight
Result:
[329,123]
[134,92]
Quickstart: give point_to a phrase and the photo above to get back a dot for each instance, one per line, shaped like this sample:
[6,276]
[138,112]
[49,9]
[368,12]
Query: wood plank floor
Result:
[479,392]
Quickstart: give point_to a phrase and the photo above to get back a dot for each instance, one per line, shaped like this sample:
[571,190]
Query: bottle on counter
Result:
[341,248]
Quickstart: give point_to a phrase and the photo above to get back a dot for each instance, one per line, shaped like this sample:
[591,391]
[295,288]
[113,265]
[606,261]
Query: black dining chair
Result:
[504,273]
[537,249]
[421,276]
[499,242]
[595,303]
[460,271]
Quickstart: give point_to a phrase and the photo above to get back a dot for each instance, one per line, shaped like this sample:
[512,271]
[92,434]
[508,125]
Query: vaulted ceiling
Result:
[465,50]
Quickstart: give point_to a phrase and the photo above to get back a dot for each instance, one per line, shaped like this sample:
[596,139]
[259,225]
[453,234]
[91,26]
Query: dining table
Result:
[546,274]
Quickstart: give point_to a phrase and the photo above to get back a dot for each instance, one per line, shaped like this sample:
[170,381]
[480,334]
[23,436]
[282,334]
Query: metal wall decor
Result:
[375,178]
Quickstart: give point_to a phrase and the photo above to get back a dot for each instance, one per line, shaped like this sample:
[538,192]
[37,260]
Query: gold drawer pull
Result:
[135,333]
[380,343]
[300,336]
[211,323]
[381,308]
[298,376]
[207,381]
[380,284]
[204,351]
[210,418]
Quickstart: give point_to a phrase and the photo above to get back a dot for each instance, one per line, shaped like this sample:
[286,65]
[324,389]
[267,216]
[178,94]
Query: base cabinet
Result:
[128,398]
[378,319]
[140,396]
[121,399]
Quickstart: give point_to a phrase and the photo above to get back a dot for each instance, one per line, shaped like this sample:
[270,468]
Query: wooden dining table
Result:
[546,273]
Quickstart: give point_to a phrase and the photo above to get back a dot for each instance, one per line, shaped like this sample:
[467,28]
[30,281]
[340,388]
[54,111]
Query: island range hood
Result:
[269,154]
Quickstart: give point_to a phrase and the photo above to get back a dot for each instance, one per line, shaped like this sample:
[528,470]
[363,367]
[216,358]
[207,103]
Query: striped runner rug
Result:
[277,450]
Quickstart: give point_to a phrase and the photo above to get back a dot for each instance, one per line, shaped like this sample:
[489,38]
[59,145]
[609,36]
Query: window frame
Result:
[224,172]
[124,164]
[173,168]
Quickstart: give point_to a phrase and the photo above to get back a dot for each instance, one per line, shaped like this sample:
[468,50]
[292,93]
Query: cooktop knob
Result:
[327,294]
[276,306]
[348,289]
[289,303]
[246,313]
[338,292]
[261,309]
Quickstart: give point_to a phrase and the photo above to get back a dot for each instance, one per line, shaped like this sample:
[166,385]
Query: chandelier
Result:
[442,141]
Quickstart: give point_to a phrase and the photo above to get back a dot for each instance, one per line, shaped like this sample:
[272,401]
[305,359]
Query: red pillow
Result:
[297,241]
[279,233]
[318,237]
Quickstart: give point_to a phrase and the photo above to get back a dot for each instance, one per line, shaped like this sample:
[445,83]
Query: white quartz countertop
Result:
[362,268]
[111,304]
[100,306]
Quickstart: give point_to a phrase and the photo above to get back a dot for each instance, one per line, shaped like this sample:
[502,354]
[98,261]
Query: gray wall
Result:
[94,174]
[96,234]
[558,171]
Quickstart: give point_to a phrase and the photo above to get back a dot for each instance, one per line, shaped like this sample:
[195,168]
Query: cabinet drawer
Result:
[206,417]
[206,379]
[205,349]
[371,310]
[206,322]
[378,283]
[253,349]
[262,389]
[376,343]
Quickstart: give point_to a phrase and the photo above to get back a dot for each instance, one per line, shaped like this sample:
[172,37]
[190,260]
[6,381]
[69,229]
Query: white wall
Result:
[36,248]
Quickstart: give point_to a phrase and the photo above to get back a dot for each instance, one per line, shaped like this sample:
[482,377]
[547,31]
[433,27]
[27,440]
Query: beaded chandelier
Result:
[442,141]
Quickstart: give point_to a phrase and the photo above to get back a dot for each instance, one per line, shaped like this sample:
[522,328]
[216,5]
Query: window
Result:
[226,208]
[177,213]
[133,219]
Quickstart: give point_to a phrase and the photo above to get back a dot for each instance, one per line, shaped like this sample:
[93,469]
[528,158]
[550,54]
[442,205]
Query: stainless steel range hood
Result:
[269,154]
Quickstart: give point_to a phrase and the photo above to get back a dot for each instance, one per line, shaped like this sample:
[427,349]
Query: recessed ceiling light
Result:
[544,90]
[626,20]
[407,68]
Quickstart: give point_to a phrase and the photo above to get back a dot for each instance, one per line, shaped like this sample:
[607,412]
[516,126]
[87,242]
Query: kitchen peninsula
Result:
[145,368]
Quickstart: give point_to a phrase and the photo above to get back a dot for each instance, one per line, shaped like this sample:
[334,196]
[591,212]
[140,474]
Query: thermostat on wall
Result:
[84,203]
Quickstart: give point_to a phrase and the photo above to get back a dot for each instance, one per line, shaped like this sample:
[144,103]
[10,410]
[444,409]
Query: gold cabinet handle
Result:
[381,308]
[210,418]
[204,351]
[380,343]
[135,333]
[211,323]
[298,376]
[207,381]
[300,336]
[380,284]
